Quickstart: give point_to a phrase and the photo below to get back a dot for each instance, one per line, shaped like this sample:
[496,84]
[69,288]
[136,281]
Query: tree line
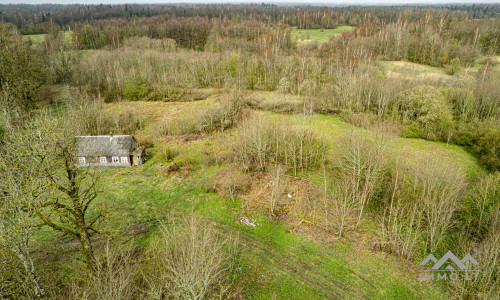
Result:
[31,19]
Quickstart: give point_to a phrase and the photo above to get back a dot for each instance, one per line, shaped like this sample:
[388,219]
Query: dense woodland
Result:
[90,59]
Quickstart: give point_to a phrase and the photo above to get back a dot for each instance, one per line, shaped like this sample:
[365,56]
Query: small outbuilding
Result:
[108,151]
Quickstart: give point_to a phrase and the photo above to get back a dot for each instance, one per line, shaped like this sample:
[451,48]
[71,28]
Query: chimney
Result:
[110,136]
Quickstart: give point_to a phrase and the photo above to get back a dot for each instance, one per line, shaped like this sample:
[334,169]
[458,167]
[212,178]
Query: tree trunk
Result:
[87,249]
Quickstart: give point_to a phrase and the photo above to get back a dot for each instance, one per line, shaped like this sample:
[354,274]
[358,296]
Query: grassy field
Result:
[333,127]
[409,70]
[303,36]
[38,38]
[277,262]
[330,126]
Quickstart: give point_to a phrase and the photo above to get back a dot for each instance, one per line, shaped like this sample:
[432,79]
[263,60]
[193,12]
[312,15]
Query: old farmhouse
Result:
[108,151]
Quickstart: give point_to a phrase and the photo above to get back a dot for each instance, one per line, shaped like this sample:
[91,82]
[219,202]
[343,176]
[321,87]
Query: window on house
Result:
[81,160]
[115,159]
[124,159]
[103,160]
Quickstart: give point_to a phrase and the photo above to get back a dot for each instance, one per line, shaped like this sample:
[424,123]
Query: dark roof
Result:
[105,145]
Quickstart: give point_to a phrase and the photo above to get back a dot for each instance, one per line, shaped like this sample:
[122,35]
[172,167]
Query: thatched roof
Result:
[105,145]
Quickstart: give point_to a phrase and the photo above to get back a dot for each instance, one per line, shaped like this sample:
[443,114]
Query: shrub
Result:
[482,201]
[143,43]
[230,183]
[359,162]
[112,279]
[263,140]
[22,71]
[478,233]
[93,119]
[169,153]
[191,260]
[279,105]
[426,112]
[454,67]
[488,148]
[421,206]
[483,139]
[14,283]
[136,89]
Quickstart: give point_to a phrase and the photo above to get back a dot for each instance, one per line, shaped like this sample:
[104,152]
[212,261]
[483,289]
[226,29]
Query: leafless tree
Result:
[192,260]
[276,186]
[20,188]
[69,191]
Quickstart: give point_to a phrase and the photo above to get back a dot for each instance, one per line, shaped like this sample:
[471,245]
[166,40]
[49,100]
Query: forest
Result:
[292,152]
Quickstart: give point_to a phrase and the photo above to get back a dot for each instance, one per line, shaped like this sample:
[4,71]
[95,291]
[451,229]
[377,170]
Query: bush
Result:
[481,203]
[14,283]
[454,67]
[230,183]
[360,162]
[143,43]
[93,119]
[479,233]
[112,279]
[488,148]
[420,208]
[483,139]
[426,112]
[136,89]
[192,260]
[22,71]
[263,140]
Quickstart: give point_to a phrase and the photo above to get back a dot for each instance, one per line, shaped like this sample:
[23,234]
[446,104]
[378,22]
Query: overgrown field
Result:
[291,153]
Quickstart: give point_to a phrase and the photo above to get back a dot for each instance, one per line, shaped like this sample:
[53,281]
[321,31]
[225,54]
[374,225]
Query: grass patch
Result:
[332,127]
[304,36]
[404,69]
[38,38]
[277,263]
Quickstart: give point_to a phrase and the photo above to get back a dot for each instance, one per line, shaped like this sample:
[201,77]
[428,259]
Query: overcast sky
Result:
[324,2]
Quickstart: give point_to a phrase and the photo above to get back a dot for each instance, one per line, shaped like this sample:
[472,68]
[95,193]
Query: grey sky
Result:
[325,2]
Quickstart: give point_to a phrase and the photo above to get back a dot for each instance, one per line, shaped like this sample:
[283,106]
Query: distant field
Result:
[35,38]
[404,69]
[303,36]
[409,70]
[38,38]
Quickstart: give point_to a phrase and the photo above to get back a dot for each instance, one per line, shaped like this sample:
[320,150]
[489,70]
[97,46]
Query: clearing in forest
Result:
[304,36]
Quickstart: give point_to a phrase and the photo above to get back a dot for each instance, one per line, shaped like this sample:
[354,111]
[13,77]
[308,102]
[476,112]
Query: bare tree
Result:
[360,163]
[276,186]
[438,190]
[192,260]
[402,219]
[343,203]
[20,188]
[70,190]
[113,278]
